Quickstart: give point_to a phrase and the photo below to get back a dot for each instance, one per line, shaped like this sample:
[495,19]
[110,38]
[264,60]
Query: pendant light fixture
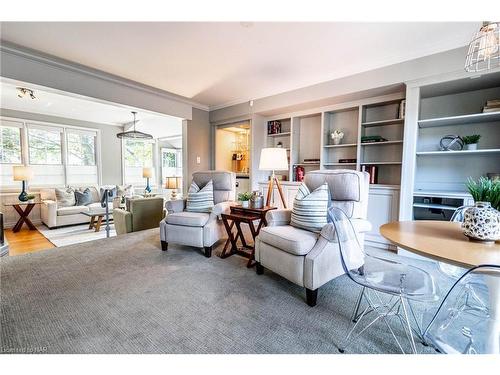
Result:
[484,49]
[134,134]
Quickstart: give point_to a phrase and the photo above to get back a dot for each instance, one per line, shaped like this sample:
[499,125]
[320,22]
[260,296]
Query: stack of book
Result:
[310,161]
[372,139]
[492,106]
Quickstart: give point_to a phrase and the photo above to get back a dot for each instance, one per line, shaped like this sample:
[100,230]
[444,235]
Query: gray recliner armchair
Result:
[311,259]
[199,229]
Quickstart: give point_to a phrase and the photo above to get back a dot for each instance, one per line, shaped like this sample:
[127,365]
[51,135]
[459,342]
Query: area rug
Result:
[74,234]
[125,295]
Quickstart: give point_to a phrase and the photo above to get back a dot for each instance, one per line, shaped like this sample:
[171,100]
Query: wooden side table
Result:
[23,215]
[236,217]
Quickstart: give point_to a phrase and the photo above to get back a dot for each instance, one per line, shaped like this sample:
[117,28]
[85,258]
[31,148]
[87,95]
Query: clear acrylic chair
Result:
[448,269]
[455,329]
[387,286]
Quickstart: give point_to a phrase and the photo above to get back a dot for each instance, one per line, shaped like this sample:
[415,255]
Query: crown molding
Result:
[56,62]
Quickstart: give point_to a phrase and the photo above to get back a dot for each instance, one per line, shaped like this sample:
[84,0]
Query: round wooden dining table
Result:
[444,241]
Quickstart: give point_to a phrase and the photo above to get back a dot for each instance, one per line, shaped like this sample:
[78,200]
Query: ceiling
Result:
[223,63]
[49,102]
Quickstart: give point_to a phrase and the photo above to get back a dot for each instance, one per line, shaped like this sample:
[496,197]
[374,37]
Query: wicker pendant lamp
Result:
[484,49]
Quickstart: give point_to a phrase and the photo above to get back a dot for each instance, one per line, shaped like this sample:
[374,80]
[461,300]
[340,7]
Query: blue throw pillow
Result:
[83,198]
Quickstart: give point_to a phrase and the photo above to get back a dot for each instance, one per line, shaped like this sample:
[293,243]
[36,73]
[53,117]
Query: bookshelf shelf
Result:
[282,134]
[382,143]
[341,145]
[460,120]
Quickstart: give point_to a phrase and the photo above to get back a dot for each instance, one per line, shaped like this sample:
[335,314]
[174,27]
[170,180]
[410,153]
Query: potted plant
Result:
[337,136]
[482,222]
[244,199]
[470,141]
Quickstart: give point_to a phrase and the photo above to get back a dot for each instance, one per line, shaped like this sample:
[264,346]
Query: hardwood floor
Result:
[26,241]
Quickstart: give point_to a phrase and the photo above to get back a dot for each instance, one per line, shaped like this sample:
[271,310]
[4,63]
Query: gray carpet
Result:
[124,295]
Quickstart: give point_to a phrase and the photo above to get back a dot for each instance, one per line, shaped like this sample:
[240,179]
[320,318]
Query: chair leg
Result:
[259,268]
[164,245]
[311,297]
[208,251]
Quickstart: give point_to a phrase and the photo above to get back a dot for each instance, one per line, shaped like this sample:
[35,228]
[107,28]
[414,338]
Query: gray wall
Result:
[196,142]
[340,90]
[111,150]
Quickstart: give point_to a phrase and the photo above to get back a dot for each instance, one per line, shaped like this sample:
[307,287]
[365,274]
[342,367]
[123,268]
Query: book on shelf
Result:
[492,106]
[372,139]
[273,127]
[347,161]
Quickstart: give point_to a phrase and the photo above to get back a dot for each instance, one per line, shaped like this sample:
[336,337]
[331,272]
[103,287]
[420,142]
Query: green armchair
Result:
[141,214]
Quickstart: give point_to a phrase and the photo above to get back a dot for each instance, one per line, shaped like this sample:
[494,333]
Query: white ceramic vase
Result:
[472,146]
[482,222]
[245,204]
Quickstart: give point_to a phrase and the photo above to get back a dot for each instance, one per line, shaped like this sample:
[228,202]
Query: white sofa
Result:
[54,216]
[311,259]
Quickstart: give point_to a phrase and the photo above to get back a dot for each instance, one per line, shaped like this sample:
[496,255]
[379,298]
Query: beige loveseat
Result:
[307,258]
[54,216]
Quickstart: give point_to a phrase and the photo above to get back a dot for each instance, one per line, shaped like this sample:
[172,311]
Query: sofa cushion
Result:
[124,190]
[65,197]
[310,208]
[72,210]
[200,200]
[188,219]
[289,239]
[113,191]
[83,198]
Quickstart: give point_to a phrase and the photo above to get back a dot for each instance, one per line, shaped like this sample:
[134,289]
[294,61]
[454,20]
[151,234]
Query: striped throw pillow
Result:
[310,208]
[200,200]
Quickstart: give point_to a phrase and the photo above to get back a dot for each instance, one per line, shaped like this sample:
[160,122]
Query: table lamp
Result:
[24,174]
[147,173]
[173,183]
[273,159]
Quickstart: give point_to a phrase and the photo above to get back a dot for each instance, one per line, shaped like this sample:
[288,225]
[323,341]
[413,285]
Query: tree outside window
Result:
[10,145]
[81,149]
[44,146]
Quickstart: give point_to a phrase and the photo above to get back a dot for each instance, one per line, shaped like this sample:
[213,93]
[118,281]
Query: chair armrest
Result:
[122,220]
[176,205]
[278,217]
[221,208]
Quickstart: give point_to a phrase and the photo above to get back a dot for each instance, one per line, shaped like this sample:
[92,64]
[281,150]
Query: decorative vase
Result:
[245,204]
[482,222]
[336,141]
[471,146]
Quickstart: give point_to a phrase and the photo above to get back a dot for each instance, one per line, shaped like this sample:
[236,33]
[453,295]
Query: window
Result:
[45,146]
[137,155]
[171,162]
[10,149]
[10,143]
[81,168]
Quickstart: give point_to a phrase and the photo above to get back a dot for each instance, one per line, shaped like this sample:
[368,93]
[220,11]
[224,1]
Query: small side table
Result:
[23,215]
[236,217]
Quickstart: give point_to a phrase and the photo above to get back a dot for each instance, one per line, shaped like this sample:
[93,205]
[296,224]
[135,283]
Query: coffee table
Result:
[96,217]
[236,217]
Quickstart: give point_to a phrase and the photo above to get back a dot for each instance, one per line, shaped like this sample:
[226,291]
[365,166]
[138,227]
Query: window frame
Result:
[64,162]
[20,127]
[154,182]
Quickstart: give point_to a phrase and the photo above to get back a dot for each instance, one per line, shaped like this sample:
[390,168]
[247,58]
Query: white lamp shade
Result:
[147,172]
[22,173]
[173,182]
[273,159]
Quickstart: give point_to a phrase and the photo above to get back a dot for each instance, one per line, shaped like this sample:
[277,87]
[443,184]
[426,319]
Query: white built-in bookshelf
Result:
[307,139]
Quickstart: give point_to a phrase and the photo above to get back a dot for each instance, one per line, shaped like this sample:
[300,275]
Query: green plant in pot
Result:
[482,222]
[244,199]
[471,141]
